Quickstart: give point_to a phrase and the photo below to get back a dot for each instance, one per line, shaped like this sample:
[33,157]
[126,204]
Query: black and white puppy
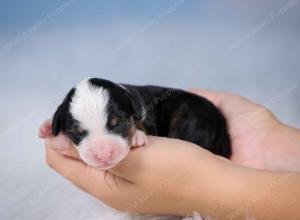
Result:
[104,120]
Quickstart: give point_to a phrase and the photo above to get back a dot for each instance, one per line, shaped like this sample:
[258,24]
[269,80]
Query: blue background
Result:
[247,47]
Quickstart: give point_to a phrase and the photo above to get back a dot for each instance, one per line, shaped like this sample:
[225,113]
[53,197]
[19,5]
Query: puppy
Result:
[104,120]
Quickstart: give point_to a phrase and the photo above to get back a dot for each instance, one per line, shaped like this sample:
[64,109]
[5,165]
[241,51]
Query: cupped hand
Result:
[170,176]
[251,127]
[156,179]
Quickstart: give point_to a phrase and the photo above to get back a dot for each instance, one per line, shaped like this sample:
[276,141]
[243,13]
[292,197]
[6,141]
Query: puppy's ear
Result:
[58,121]
[136,105]
[137,108]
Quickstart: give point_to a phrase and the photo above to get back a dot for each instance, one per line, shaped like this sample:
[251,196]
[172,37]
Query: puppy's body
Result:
[178,114]
[104,119]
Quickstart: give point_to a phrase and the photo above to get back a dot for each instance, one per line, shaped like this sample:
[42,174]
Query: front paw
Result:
[45,130]
[139,139]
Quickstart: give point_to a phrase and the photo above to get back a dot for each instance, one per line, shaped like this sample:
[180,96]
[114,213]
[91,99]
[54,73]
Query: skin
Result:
[174,177]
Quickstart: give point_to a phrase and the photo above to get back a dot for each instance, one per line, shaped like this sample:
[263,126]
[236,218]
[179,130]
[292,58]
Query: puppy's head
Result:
[99,117]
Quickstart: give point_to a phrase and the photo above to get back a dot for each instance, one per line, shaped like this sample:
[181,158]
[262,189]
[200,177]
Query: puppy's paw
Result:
[139,139]
[45,130]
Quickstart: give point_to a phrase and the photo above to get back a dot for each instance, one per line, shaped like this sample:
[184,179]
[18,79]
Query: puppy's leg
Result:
[45,130]
[59,143]
[139,139]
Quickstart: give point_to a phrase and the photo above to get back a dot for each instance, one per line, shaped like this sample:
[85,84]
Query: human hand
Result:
[161,178]
[258,138]
[175,177]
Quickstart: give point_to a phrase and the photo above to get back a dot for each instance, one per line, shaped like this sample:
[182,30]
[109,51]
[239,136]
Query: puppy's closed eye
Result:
[114,121]
[79,131]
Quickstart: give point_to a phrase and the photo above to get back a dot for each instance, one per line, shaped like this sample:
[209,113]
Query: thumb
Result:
[140,160]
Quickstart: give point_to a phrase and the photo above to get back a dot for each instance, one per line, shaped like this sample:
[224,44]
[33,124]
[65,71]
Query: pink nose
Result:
[104,155]
[99,156]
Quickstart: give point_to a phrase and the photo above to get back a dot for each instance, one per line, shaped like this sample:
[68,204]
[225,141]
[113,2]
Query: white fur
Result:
[89,106]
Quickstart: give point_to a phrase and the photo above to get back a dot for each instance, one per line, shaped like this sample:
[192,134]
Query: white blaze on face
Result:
[89,107]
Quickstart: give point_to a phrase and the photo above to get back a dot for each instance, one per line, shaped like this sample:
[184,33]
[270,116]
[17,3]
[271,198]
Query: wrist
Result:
[214,192]
[236,192]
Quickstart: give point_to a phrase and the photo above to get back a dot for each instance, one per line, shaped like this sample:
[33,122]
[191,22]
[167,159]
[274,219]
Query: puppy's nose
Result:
[104,155]
[100,156]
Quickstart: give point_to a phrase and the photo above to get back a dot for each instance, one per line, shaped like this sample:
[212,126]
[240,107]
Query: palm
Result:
[249,126]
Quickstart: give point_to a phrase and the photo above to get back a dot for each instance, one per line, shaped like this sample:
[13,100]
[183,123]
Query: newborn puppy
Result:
[104,120]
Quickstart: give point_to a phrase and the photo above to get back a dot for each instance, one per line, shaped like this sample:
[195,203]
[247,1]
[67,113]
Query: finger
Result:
[133,166]
[223,159]
[63,145]
[59,143]
[97,182]
[130,166]
[71,152]
[214,97]
[145,158]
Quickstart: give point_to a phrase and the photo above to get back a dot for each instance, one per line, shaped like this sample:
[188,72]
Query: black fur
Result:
[178,114]
[63,121]
[61,114]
